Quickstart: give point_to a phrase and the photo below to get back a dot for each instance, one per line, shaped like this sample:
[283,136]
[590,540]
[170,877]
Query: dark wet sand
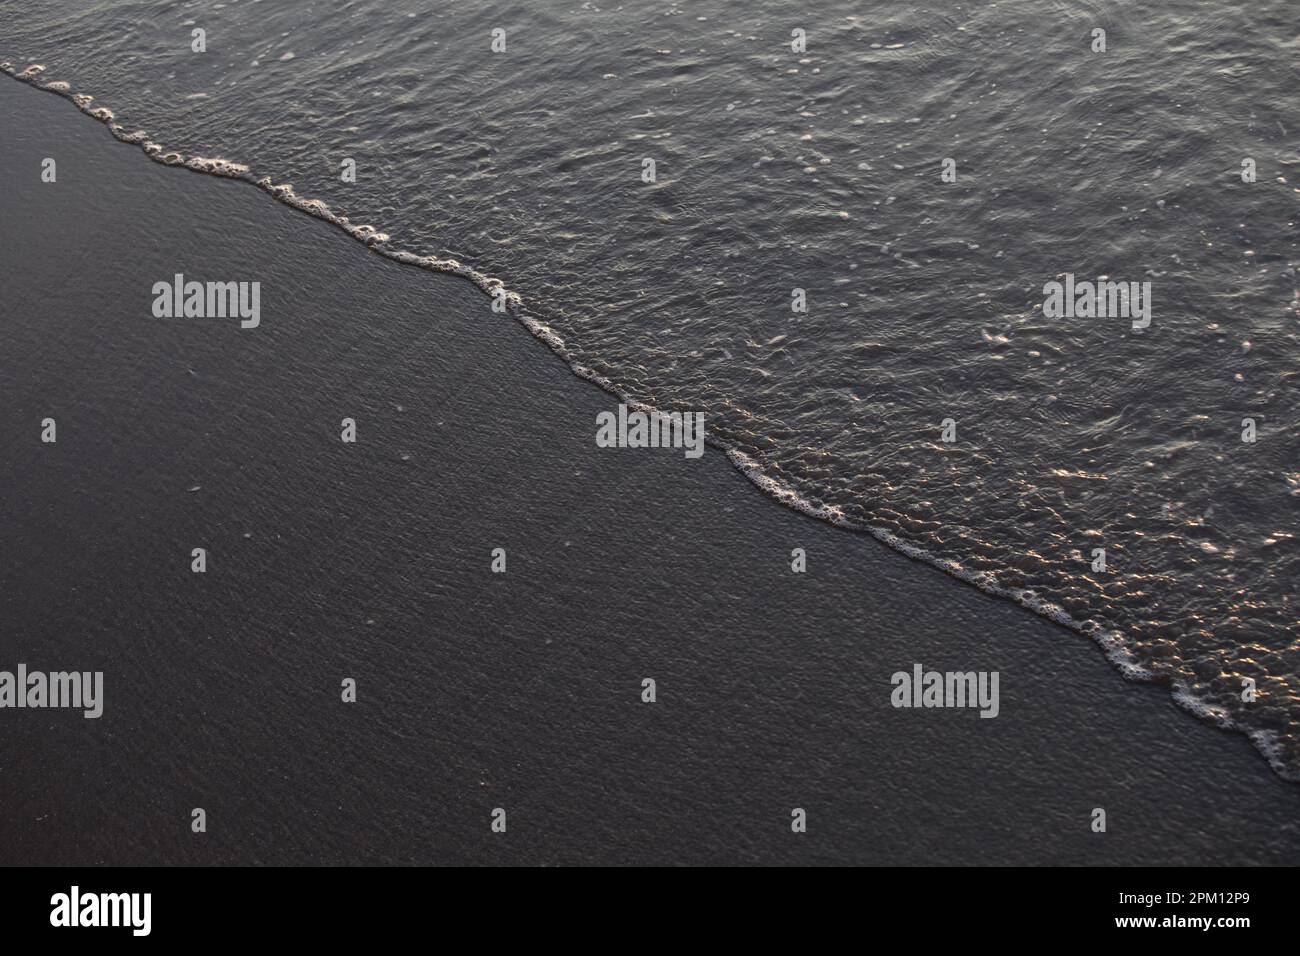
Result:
[478,690]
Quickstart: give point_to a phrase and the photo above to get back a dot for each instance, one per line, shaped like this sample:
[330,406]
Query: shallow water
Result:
[821,171]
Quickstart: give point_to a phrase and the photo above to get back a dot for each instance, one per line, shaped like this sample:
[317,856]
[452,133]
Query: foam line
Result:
[1110,641]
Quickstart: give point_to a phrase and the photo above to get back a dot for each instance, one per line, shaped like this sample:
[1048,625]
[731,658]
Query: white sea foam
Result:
[1112,642]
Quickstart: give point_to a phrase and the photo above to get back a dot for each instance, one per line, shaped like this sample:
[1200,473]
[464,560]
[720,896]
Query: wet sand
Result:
[478,690]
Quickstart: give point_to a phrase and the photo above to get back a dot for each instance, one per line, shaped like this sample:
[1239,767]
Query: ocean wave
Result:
[1112,641]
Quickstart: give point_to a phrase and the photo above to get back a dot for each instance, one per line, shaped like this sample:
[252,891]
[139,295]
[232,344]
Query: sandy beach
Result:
[478,690]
